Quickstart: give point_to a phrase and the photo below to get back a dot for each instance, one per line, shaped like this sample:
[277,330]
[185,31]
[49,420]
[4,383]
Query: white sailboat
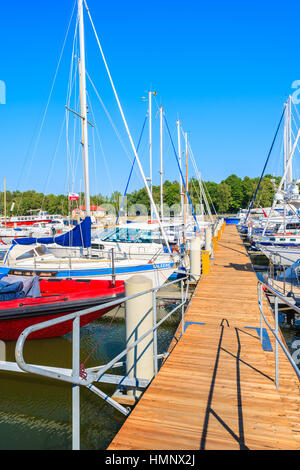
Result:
[53,257]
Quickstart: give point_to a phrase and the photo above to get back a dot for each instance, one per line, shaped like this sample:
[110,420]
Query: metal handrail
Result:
[261,286]
[86,378]
[76,315]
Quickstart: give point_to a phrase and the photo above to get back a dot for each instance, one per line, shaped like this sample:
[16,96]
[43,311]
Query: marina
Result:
[217,389]
[161,313]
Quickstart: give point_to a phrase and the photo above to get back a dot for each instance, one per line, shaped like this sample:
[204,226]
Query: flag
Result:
[73,197]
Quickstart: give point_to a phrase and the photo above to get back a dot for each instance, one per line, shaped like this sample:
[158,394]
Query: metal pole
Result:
[84,108]
[180,165]
[155,334]
[182,308]
[150,151]
[161,110]
[276,344]
[113,275]
[76,388]
[5,217]
[261,310]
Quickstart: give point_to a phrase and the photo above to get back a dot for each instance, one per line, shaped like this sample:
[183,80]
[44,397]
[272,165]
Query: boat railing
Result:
[263,289]
[78,376]
[278,272]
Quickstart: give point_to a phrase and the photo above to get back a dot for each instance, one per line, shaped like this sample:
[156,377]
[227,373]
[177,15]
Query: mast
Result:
[180,165]
[186,184]
[82,77]
[161,111]
[150,152]
[5,201]
[289,136]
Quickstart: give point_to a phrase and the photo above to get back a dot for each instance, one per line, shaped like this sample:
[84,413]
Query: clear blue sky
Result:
[224,67]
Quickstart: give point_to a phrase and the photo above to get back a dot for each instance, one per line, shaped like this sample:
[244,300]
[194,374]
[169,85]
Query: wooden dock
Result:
[216,391]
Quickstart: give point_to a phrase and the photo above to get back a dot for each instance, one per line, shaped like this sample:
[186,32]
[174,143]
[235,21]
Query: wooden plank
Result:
[217,388]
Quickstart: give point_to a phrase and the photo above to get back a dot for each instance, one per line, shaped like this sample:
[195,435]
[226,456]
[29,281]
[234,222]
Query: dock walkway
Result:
[217,388]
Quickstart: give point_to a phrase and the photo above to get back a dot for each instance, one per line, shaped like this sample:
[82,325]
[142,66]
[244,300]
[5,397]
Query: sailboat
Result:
[70,255]
[277,234]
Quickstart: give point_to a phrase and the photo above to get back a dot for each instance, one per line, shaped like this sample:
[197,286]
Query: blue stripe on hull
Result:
[95,272]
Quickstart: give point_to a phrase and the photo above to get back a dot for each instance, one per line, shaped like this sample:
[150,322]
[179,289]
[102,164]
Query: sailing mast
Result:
[84,120]
[5,217]
[150,93]
[289,136]
[180,177]
[185,214]
[161,112]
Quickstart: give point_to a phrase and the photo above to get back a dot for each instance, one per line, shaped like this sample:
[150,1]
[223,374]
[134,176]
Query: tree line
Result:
[228,196]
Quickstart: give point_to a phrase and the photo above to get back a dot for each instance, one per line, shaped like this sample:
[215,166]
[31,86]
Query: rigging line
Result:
[267,161]
[110,119]
[70,166]
[169,145]
[131,171]
[199,177]
[209,196]
[54,159]
[297,146]
[94,147]
[184,183]
[52,87]
[130,136]
[102,151]
[71,85]
[49,98]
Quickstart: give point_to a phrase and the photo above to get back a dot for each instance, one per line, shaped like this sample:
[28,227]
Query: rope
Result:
[267,161]
[131,171]
[48,102]
[181,174]
[82,366]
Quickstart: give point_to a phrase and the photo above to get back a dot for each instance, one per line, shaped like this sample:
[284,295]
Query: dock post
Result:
[139,319]
[215,244]
[195,259]
[2,351]
[208,239]
[276,345]
[205,262]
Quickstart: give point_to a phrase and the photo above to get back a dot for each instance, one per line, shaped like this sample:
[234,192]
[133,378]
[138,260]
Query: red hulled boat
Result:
[54,298]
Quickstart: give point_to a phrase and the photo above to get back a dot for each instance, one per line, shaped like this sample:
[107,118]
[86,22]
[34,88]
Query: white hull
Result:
[281,256]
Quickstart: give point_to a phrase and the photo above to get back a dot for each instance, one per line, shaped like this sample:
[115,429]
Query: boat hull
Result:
[17,315]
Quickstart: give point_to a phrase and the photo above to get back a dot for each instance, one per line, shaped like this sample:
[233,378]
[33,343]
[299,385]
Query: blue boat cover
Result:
[79,236]
[19,287]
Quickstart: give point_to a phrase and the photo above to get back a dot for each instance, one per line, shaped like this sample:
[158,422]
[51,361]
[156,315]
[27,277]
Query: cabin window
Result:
[41,250]
[28,254]
[295,226]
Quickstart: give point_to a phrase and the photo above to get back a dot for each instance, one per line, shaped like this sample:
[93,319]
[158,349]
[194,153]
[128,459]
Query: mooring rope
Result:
[82,372]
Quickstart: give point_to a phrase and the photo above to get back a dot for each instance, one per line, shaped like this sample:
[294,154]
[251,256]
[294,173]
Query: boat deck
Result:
[217,388]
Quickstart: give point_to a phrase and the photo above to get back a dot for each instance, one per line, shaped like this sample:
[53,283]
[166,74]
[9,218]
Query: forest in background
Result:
[227,197]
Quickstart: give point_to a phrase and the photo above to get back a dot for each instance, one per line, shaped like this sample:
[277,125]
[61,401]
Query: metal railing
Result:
[286,283]
[261,289]
[87,378]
